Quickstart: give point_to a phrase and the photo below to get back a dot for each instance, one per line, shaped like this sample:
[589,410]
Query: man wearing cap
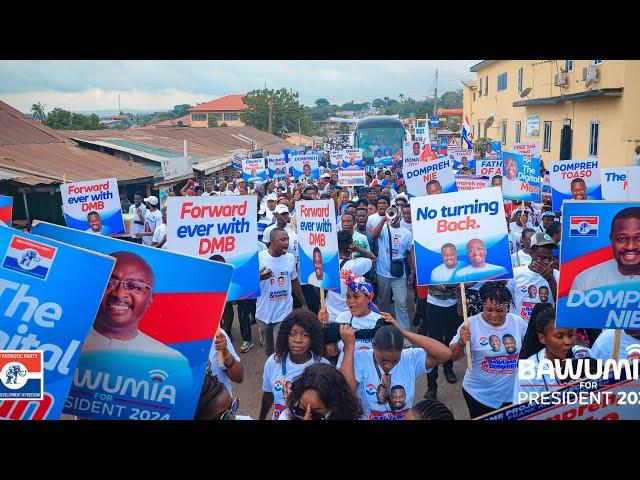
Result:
[323,183]
[547,219]
[282,221]
[152,219]
[539,274]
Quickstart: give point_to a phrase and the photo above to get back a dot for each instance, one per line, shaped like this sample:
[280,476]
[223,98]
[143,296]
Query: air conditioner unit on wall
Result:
[590,75]
[561,80]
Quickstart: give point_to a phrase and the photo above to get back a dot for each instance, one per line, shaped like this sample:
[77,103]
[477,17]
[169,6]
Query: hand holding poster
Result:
[622,183]
[521,179]
[461,237]
[278,168]
[527,149]
[305,166]
[600,265]
[253,170]
[145,357]
[50,293]
[430,178]
[93,206]
[574,179]
[318,243]
[221,226]
[6,209]
[352,159]
[351,178]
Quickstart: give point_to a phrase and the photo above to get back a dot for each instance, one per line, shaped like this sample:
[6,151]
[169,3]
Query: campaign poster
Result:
[603,397]
[488,168]
[50,293]
[225,227]
[6,209]
[352,159]
[532,126]
[93,206]
[461,237]
[600,265]
[336,159]
[253,170]
[574,179]
[383,156]
[546,185]
[146,354]
[430,178]
[305,166]
[463,157]
[622,183]
[521,179]
[471,182]
[527,149]
[318,243]
[277,167]
[351,178]
[493,150]
[411,149]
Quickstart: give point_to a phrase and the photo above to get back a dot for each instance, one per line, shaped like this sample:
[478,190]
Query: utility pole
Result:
[435,100]
[119,109]
[270,116]
[299,132]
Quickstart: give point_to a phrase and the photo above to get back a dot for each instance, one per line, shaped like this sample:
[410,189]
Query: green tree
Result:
[378,103]
[284,106]
[180,110]
[59,119]
[321,102]
[37,111]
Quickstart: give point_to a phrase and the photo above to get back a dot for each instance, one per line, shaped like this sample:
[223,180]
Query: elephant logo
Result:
[29,259]
[12,373]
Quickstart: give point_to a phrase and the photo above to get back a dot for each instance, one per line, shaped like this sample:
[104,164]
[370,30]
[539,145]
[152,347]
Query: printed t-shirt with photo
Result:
[275,301]
[523,278]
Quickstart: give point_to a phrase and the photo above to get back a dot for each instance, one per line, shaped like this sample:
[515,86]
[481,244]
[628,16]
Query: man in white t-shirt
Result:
[374,220]
[629,345]
[152,218]
[536,282]
[137,211]
[282,221]
[400,240]
[478,268]
[159,239]
[523,257]
[625,245]
[278,279]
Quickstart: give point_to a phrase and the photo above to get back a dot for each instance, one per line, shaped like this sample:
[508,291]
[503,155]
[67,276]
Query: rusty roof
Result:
[51,163]
[16,128]
[228,103]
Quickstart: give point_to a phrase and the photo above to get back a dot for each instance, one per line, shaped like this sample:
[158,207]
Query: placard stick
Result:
[321,297]
[220,357]
[617,337]
[463,297]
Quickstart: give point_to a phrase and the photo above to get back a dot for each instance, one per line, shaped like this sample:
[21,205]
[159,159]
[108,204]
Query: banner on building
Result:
[430,178]
[600,265]
[50,294]
[532,126]
[318,243]
[521,178]
[93,206]
[574,180]
[146,355]
[461,237]
[224,227]
[253,170]
[305,166]
[351,178]
[622,183]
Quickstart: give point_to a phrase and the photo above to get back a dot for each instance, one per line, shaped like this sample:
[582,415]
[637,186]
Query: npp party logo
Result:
[582,226]
[29,257]
[484,341]
[21,374]
[371,389]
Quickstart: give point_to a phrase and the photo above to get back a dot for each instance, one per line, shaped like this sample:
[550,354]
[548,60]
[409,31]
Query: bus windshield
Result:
[370,138]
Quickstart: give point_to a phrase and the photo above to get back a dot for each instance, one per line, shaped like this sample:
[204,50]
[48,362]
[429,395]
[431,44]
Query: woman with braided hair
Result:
[429,409]
[489,384]
[215,402]
[321,393]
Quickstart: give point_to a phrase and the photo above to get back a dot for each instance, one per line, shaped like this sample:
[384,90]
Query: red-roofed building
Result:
[224,110]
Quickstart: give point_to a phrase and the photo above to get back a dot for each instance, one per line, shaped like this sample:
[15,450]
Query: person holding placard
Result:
[489,384]
[539,273]
[384,377]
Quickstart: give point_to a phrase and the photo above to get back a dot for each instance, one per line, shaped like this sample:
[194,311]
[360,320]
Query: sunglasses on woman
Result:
[298,413]
[233,409]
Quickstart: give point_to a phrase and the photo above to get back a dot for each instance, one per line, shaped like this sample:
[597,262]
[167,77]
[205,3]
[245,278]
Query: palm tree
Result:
[37,111]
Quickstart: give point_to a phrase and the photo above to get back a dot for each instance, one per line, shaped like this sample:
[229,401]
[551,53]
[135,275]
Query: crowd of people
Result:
[357,354]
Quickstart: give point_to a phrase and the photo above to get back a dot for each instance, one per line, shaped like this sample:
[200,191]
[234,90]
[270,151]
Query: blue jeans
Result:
[399,287]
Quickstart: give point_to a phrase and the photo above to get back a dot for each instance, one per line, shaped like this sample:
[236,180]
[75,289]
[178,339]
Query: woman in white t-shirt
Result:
[385,377]
[322,393]
[495,336]
[544,340]
[298,344]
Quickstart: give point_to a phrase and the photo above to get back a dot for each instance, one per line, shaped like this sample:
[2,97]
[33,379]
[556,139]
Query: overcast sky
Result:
[154,84]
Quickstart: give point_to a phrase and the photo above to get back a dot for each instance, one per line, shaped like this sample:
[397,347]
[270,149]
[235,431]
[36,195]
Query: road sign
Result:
[454,142]
[434,122]
[443,143]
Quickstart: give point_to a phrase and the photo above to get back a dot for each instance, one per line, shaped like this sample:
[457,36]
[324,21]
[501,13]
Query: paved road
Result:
[250,390]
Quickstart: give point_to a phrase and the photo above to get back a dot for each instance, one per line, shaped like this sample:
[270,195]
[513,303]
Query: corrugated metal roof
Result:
[53,162]
[18,129]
